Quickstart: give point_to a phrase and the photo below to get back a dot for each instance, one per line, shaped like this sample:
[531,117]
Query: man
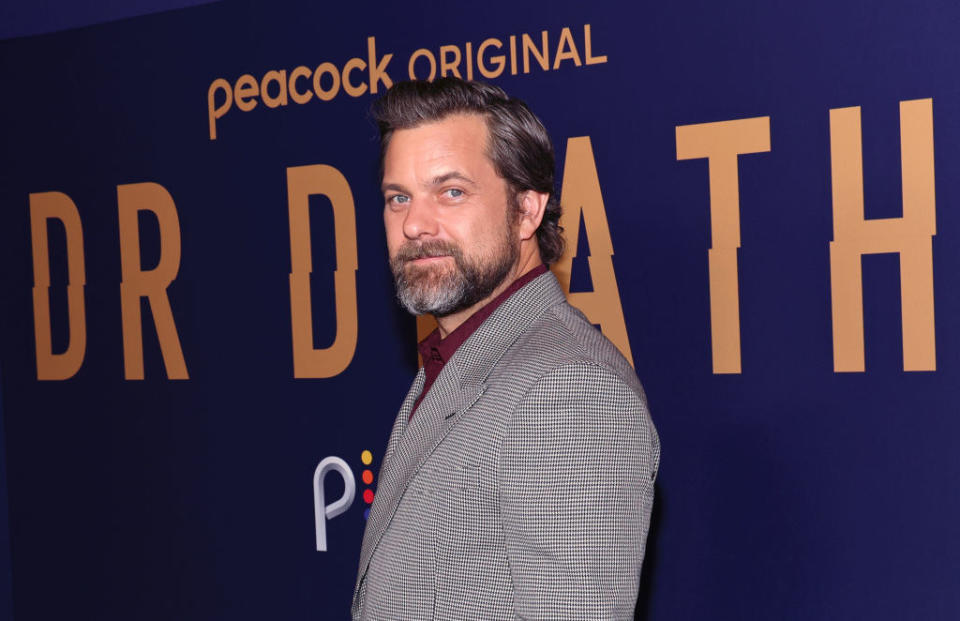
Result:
[518,478]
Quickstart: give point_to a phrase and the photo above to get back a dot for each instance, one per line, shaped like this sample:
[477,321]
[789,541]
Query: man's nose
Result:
[420,220]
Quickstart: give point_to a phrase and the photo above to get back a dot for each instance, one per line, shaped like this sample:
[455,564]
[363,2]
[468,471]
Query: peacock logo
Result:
[323,511]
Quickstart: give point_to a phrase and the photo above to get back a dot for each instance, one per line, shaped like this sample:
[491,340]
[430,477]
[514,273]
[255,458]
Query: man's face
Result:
[451,237]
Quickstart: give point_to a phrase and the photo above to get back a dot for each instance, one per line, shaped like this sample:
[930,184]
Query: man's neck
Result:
[453,321]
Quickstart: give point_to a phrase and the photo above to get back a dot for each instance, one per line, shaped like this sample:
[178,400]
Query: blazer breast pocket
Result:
[455,488]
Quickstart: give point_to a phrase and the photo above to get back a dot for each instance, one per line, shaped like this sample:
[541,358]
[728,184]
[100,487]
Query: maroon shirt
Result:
[435,351]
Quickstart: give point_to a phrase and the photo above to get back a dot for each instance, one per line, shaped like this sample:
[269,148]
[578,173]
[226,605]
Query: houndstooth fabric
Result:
[522,487]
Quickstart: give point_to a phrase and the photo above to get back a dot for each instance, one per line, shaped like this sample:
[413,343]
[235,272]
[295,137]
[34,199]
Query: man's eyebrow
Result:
[438,180]
[459,176]
[396,187]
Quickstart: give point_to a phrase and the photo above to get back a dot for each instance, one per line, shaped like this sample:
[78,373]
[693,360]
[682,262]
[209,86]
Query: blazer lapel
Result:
[410,448]
[403,416]
[457,388]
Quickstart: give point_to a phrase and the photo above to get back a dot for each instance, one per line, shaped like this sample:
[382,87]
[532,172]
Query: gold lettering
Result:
[280,78]
[721,143]
[498,61]
[328,68]
[151,284]
[214,113]
[45,206]
[581,193]
[566,50]
[302,183]
[295,94]
[425,53]
[588,48]
[910,236]
[452,65]
[542,56]
[245,92]
[378,71]
[469,60]
[353,91]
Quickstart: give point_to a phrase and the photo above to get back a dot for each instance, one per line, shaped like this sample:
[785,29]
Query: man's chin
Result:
[438,301]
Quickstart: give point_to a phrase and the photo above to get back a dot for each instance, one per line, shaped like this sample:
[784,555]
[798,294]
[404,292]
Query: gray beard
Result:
[444,292]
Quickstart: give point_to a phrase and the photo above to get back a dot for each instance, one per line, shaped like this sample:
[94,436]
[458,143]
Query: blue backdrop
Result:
[787,491]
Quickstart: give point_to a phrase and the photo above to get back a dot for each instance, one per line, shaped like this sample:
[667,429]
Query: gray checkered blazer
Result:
[522,487]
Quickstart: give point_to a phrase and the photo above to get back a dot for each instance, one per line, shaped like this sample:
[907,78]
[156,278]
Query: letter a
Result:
[302,183]
[910,236]
[580,193]
[43,207]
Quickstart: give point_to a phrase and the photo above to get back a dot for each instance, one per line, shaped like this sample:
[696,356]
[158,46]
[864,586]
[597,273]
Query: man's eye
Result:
[454,193]
[398,199]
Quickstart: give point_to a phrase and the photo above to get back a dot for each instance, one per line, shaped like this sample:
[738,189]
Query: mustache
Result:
[412,251]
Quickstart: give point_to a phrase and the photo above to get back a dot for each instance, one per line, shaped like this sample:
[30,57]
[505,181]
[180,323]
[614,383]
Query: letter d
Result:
[46,206]
[323,512]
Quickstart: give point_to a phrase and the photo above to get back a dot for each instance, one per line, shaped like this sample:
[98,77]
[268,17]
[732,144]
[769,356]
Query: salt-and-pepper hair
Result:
[519,146]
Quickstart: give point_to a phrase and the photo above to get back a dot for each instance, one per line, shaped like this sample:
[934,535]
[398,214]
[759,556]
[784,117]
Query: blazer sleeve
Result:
[577,467]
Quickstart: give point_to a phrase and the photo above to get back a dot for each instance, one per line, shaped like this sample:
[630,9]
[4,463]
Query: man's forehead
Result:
[459,129]
[461,138]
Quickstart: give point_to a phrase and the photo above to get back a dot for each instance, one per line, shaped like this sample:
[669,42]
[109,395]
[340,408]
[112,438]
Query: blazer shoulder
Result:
[580,384]
[563,337]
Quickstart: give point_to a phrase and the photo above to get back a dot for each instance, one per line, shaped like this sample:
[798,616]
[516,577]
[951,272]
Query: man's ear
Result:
[531,206]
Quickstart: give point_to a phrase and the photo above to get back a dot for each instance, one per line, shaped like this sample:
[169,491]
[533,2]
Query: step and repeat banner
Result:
[201,355]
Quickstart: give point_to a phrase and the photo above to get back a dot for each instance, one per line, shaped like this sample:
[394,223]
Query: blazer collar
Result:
[479,354]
